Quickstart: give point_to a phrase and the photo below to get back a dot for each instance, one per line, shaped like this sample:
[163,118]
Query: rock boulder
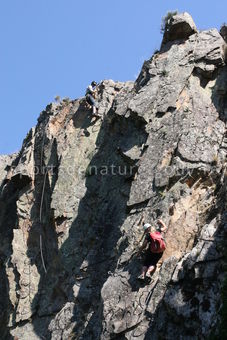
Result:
[178,27]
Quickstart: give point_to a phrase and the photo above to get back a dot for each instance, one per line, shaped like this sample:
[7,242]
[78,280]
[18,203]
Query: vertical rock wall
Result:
[72,199]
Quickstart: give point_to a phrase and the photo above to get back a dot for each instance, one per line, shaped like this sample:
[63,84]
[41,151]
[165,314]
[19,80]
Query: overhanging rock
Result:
[179,26]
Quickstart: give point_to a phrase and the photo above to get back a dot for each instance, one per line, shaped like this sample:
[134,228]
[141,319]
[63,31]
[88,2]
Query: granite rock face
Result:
[5,163]
[72,199]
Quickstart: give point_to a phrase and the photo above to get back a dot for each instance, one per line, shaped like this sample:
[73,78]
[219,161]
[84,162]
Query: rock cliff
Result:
[72,199]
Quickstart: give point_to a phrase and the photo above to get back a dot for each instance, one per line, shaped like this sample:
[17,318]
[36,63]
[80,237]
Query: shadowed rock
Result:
[223,32]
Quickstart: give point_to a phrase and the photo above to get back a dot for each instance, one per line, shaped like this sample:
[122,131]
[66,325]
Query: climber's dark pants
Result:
[151,259]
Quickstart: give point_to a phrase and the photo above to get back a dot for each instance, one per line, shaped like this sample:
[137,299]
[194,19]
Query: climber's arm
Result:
[141,221]
[144,246]
[140,224]
[163,226]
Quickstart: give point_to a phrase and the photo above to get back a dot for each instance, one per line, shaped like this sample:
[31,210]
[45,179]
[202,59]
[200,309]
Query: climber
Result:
[154,245]
[90,97]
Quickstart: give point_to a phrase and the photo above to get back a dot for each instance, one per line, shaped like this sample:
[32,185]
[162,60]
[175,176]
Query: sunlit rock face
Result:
[71,201]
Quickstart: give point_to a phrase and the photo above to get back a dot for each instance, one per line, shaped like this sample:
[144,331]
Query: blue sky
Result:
[56,47]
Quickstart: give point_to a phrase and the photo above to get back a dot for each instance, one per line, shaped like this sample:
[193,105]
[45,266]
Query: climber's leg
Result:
[150,270]
[143,274]
[154,258]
